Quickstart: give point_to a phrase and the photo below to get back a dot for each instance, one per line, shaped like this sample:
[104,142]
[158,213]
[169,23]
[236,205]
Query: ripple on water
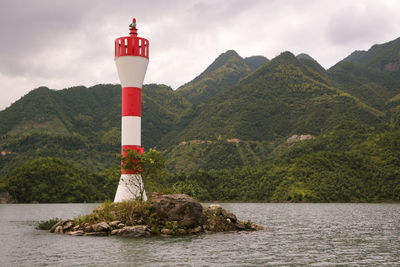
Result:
[295,234]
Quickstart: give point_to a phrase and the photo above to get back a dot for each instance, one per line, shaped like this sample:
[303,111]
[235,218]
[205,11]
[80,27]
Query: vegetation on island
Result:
[165,215]
[223,136]
[47,224]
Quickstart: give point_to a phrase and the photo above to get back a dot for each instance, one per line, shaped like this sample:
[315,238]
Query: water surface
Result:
[295,234]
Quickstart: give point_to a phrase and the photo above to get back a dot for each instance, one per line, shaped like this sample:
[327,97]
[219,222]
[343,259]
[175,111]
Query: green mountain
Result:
[278,130]
[247,121]
[393,110]
[81,124]
[372,87]
[372,76]
[311,63]
[162,109]
[383,57]
[223,73]
[282,98]
[255,62]
[304,56]
[242,125]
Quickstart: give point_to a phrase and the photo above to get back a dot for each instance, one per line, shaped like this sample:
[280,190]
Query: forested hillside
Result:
[223,73]
[383,57]
[283,129]
[282,98]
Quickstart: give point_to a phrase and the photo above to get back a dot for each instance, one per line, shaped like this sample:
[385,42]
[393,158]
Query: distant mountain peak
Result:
[255,62]
[222,59]
[286,54]
[285,57]
[380,57]
[304,56]
[225,71]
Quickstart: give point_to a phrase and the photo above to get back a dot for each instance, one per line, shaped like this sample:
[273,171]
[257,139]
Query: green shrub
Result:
[46,225]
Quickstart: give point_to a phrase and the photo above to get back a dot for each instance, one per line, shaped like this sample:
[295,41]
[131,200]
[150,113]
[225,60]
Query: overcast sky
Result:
[61,44]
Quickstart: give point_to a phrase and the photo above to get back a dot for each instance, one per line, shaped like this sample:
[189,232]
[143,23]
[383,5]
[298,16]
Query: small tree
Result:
[132,161]
[146,165]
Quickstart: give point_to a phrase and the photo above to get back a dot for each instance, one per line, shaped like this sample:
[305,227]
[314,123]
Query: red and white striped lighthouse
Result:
[131,58]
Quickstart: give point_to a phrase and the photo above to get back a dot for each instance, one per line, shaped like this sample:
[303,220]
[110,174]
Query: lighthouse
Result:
[131,59]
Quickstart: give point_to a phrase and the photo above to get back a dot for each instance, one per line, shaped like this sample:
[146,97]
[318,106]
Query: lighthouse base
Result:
[130,187]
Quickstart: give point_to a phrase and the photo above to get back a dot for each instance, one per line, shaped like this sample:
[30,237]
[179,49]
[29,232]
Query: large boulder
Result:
[133,231]
[62,226]
[100,227]
[179,208]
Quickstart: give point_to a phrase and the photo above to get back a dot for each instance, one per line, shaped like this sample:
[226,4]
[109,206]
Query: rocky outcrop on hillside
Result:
[298,138]
[392,66]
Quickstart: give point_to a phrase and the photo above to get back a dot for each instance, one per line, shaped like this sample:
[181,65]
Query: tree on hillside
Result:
[53,180]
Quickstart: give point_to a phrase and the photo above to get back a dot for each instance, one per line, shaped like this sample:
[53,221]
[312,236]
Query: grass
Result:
[46,225]
[133,212]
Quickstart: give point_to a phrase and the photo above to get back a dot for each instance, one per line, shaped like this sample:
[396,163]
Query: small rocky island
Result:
[161,215]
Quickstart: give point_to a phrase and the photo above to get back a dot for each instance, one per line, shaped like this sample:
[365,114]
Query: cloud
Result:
[361,23]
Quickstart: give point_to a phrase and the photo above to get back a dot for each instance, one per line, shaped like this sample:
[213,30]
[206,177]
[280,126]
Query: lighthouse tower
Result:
[131,58]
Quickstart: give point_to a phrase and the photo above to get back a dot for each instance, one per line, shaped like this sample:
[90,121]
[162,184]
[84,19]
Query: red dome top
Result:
[132,45]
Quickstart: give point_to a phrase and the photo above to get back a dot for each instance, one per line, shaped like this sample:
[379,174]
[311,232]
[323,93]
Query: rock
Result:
[181,208]
[215,206]
[114,223]
[219,223]
[133,231]
[154,195]
[76,233]
[53,228]
[68,225]
[87,228]
[298,138]
[229,215]
[241,225]
[212,226]
[121,225]
[181,231]
[59,230]
[165,235]
[100,227]
[216,209]
[256,227]
[64,223]
[166,231]
[96,234]
[196,230]
[115,231]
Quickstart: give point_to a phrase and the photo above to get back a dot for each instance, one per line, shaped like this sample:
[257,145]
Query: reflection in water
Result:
[295,234]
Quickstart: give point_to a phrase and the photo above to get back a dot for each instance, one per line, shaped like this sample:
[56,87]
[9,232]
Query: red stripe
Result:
[131,101]
[133,147]
[129,147]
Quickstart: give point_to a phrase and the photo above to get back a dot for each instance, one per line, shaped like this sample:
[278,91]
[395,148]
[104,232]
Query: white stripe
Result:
[131,70]
[131,131]
[130,187]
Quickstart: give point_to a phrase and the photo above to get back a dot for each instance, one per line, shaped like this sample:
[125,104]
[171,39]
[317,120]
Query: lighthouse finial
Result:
[132,27]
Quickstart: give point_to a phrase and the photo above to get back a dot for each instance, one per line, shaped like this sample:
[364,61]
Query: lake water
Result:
[295,234]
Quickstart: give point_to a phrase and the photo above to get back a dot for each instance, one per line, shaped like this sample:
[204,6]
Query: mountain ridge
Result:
[380,57]
[259,105]
[226,70]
